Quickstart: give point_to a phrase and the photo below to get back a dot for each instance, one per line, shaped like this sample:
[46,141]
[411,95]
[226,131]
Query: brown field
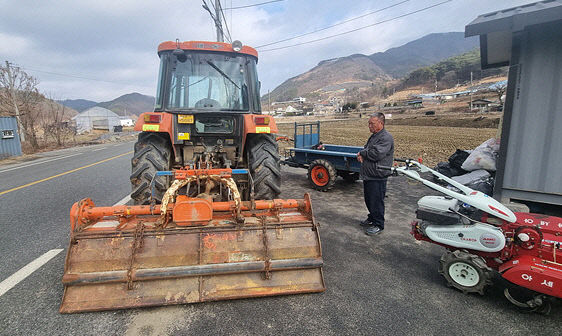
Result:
[432,143]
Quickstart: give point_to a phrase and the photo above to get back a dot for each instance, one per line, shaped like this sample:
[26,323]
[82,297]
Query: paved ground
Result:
[375,285]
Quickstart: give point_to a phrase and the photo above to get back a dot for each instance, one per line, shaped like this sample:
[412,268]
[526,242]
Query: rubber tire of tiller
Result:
[322,175]
[264,165]
[153,153]
[484,272]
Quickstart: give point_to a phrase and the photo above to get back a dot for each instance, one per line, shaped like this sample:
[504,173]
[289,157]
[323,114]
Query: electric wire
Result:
[360,28]
[334,25]
[258,4]
[206,7]
[80,77]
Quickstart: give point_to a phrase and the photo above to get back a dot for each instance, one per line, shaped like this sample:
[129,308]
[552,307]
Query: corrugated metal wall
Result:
[533,162]
[9,139]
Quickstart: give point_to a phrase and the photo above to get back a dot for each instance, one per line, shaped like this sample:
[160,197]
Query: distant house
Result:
[126,122]
[415,103]
[480,104]
[96,118]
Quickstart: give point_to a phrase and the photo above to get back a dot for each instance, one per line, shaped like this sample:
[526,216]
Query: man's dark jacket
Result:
[379,150]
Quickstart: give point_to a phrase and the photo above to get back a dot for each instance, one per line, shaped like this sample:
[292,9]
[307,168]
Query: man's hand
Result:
[359,158]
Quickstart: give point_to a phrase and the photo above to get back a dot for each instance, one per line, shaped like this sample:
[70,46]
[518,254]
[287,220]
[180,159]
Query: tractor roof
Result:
[205,45]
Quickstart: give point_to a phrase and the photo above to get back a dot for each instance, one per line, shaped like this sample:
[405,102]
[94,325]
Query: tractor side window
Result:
[161,75]
[257,85]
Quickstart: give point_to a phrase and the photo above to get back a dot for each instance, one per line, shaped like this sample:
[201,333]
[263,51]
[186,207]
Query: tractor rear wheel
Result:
[322,175]
[464,271]
[264,165]
[153,153]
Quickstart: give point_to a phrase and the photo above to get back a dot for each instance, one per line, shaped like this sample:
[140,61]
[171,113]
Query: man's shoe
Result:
[366,222]
[373,230]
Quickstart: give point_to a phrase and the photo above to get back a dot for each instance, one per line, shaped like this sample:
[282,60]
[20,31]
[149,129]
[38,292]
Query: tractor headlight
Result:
[237,46]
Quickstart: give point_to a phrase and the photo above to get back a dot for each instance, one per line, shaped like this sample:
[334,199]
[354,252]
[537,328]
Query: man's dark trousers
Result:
[374,191]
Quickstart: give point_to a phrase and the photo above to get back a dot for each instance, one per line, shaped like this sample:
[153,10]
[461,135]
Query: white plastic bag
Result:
[483,157]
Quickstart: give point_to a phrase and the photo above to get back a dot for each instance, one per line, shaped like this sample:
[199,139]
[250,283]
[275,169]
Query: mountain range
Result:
[358,70]
[125,105]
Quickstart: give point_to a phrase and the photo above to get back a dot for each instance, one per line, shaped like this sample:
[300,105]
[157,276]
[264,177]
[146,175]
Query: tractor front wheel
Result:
[265,167]
[153,153]
[322,175]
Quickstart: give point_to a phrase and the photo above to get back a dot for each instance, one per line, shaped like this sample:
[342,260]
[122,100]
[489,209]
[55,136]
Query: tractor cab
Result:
[200,76]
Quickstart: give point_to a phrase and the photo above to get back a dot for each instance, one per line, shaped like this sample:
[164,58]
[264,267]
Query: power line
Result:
[80,77]
[258,4]
[217,19]
[360,28]
[337,24]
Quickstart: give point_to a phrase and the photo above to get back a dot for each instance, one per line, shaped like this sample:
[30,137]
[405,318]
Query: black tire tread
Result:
[475,261]
[152,153]
[264,165]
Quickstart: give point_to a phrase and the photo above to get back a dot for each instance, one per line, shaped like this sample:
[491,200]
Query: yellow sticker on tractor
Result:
[150,128]
[183,136]
[261,129]
[185,119]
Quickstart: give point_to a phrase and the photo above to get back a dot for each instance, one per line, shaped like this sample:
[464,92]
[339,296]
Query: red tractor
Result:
[208,157]
[207,115]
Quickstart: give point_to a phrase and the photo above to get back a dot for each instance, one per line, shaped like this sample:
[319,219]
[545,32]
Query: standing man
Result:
[379,150]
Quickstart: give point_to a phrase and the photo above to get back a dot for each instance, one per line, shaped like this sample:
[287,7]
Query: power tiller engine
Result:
[484,238]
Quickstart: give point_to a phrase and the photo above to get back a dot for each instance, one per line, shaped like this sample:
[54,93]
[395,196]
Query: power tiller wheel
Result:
[464,271]
[265,166]
[152,153]
[322,175]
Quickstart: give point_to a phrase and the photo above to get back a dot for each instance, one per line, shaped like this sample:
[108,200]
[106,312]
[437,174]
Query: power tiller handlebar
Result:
[394,170]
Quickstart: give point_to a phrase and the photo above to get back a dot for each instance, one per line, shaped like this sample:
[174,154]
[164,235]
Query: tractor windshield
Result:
[208,82]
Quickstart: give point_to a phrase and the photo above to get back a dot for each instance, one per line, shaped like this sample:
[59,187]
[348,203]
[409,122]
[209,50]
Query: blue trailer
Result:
[324,162]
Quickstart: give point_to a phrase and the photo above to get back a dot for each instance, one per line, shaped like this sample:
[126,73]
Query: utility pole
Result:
[217,18]
[269,100]
[218,22]
[11,81]
[470,108]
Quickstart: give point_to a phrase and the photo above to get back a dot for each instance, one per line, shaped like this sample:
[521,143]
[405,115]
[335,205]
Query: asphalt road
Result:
[386,284]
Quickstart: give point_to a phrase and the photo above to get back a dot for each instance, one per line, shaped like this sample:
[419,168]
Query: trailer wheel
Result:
[153,153]
[465,272]
[265,167]
[322,175]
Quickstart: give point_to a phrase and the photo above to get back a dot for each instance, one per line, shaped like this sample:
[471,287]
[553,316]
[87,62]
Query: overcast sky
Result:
[101,49]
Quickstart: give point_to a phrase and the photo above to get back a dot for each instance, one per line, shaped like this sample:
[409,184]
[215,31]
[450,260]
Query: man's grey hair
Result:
[379,116]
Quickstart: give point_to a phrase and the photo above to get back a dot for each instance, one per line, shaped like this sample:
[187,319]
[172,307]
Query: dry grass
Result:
[432,143]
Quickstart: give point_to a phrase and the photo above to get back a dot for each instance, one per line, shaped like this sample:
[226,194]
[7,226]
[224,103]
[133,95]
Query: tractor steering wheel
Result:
[207,103]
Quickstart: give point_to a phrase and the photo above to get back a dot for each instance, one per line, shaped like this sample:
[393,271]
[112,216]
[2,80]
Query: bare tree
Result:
[500,91]
[55,121]
[19,97]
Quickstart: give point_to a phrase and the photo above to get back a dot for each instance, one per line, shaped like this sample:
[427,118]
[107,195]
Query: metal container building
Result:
[529,39]
[10,144]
